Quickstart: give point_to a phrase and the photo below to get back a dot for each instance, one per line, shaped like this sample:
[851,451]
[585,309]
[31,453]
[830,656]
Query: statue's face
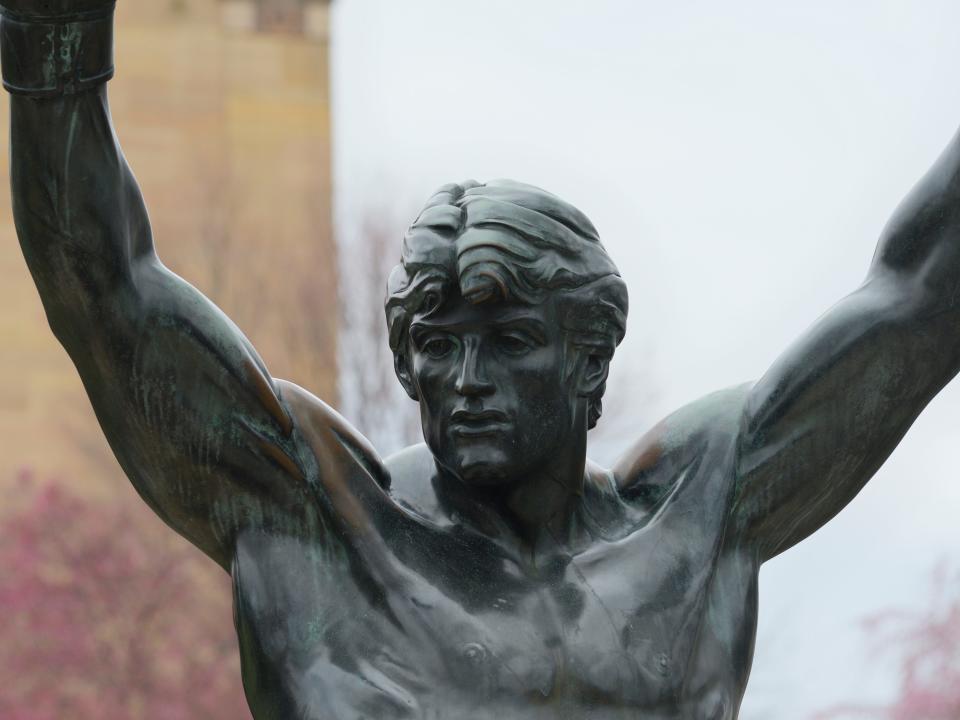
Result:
[496,400]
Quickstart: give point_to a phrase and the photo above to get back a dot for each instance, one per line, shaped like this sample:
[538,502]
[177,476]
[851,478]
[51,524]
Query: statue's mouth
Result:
[478,424]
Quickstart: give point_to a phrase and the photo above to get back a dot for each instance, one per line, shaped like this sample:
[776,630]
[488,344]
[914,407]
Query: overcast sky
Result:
[739,160]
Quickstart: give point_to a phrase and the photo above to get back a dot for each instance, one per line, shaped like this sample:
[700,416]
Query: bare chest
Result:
[416,623]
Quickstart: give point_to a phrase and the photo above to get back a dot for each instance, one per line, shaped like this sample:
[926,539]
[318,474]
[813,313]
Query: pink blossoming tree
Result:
[105,614]
[927,645]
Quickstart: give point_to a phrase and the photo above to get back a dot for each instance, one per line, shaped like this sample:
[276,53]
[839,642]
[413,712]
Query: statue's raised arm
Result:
[188,407]
[828,413]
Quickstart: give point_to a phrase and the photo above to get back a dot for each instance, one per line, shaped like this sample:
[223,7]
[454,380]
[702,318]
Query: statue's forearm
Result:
[920,245]
[72,189]
[78,211]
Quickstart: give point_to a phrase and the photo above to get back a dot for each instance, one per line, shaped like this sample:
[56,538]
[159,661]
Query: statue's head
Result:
[503,316]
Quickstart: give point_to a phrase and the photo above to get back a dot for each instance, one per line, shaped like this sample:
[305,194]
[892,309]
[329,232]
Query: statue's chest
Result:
[416,619]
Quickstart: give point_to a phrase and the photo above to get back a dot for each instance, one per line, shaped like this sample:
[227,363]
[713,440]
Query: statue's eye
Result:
[512,345]
[437,347]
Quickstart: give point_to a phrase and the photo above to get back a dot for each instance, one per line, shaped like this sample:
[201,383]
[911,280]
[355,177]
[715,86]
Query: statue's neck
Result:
[531,515]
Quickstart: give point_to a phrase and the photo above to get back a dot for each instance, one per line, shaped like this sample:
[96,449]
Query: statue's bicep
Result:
[829,412]
[193,417]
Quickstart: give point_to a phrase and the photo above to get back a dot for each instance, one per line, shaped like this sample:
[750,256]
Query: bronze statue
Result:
[492,572]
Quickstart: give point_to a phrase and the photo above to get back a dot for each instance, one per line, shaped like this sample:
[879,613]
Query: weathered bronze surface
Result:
[492,572]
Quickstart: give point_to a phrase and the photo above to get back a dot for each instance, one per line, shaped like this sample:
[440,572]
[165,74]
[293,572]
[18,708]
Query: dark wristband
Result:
[49,57]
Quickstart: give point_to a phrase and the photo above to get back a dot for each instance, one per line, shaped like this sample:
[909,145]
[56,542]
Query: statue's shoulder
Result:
[335,447]
[654,463]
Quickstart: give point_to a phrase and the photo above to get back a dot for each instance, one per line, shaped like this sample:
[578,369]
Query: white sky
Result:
[739,159]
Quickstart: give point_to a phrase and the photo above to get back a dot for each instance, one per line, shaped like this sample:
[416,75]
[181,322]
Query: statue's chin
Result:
[482,466]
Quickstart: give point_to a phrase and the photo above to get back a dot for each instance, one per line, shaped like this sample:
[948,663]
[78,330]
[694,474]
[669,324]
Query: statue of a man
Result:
[492,572]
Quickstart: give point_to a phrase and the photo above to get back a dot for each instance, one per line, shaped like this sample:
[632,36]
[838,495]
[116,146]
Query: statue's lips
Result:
[478,424]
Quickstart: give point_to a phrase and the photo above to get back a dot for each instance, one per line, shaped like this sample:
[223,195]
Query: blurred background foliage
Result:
[925,645]
[106,616]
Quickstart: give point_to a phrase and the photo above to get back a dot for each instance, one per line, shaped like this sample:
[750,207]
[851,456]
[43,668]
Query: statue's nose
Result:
[472,380]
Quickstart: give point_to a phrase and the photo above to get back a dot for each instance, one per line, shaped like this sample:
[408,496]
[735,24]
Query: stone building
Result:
[222,107]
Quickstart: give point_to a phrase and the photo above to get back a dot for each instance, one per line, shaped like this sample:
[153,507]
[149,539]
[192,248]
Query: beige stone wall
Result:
[228,134]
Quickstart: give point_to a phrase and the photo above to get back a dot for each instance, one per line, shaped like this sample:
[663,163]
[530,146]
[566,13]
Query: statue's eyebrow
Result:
[530,325]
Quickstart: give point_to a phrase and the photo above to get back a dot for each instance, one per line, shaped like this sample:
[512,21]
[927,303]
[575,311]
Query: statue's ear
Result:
[403,375]
[593,374]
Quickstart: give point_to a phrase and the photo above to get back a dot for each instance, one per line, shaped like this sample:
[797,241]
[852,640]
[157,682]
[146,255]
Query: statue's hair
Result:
[508,240]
